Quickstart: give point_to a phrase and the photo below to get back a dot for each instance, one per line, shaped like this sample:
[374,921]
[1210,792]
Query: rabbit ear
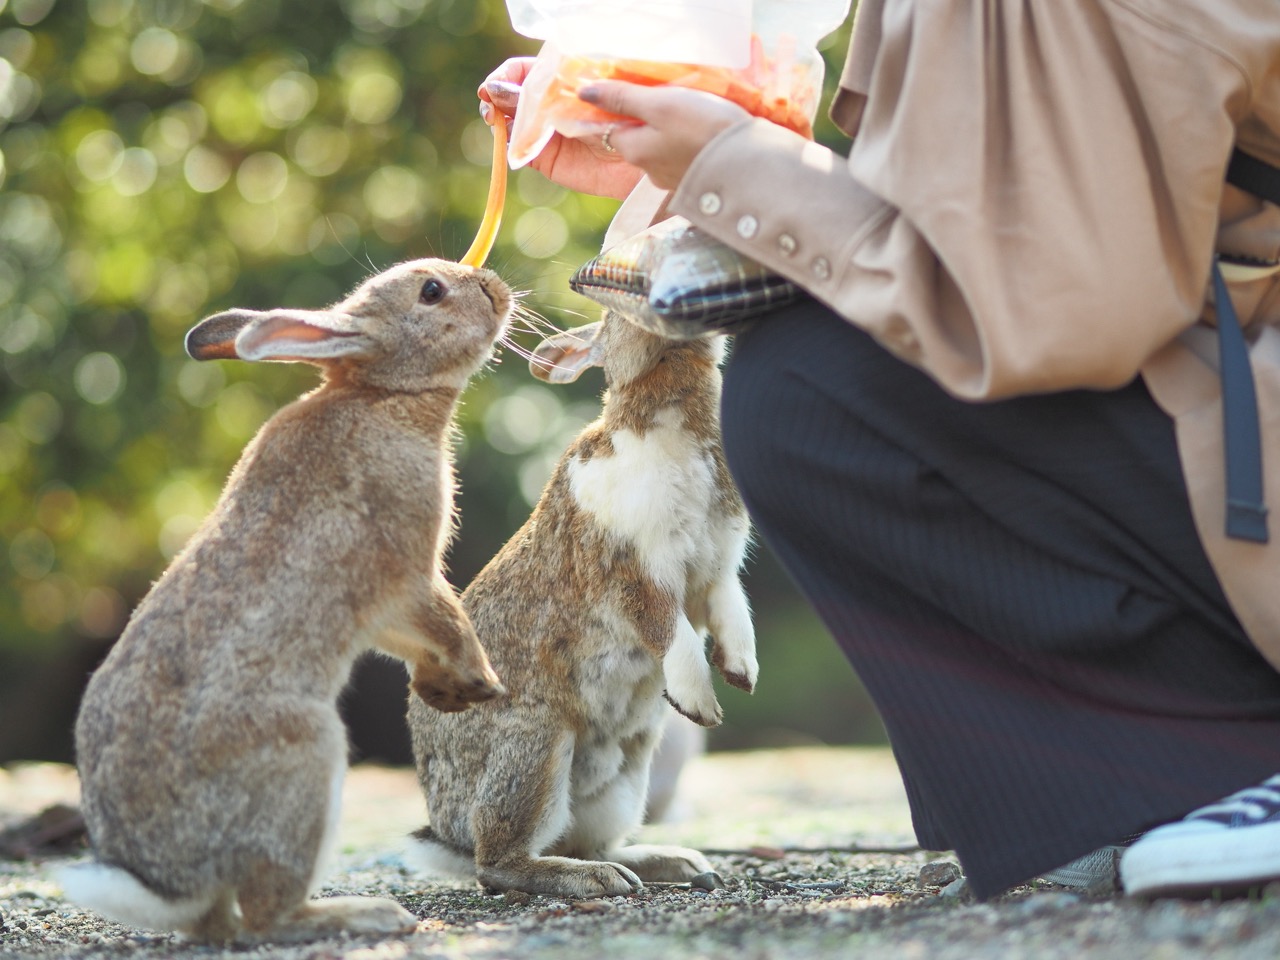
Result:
[214,338]
[301,335]
[562,358]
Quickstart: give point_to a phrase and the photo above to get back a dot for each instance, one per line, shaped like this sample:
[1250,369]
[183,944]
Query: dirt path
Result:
[781,827]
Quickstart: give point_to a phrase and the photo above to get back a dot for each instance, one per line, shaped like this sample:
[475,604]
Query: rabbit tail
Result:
[120,896]
[429,855]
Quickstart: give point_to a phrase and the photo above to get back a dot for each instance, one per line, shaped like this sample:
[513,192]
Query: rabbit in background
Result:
[594,612]
[209,744]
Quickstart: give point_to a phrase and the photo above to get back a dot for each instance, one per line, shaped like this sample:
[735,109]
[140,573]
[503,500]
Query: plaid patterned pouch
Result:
[676,281]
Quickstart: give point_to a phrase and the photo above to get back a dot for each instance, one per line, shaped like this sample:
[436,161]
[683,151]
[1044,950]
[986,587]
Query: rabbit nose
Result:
[496,291]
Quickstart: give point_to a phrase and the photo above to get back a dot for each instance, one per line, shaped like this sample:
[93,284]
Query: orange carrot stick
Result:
[488,232]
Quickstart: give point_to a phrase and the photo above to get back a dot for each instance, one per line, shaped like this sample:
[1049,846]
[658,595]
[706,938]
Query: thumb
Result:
[618,97]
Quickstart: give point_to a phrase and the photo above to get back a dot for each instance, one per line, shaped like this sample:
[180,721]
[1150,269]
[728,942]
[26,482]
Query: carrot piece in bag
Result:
[769,87]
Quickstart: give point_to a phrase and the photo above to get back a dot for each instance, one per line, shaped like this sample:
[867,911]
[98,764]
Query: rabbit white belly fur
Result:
[655,491]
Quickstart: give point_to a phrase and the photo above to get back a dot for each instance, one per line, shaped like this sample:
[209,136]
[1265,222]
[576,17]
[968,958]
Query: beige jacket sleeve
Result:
[1032,196]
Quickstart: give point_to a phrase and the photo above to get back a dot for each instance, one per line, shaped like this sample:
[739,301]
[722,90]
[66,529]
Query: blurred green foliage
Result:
[162,159]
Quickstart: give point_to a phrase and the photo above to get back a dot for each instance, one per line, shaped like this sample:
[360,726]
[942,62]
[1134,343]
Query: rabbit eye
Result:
[432,292]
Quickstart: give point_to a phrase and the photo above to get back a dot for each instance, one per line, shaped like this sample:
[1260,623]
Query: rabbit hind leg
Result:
[270,894]
[220,923]
[617,811]
[357,916]
[560,877]
[512,831]
[293,844]
[658,863]
[274,905]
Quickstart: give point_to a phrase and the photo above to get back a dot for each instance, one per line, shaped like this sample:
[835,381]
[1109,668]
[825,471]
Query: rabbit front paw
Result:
[688,677]
[706,714]
[733,650]
[738,667]
[449,692]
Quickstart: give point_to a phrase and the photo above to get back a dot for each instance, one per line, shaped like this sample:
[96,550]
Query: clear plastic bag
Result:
[709,32]
[761,55]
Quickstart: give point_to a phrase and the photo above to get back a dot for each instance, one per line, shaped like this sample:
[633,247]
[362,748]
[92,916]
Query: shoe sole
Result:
[1226,862]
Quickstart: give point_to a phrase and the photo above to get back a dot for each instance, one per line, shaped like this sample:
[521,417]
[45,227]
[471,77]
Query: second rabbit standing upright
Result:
[592,613]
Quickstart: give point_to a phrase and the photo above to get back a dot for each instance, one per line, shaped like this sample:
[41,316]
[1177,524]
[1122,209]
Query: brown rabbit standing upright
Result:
[594,612]
[210,748]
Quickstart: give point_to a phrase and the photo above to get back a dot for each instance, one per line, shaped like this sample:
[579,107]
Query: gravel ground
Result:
[813,847]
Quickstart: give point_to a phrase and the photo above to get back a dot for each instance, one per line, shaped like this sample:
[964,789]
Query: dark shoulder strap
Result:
[1242,435]
[1241,431]
[1256,176]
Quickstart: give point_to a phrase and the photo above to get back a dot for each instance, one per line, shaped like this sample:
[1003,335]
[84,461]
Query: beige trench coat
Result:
[1032,203]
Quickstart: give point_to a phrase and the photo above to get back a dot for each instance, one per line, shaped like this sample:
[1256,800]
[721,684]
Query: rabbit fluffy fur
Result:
[209,743]
[593,612]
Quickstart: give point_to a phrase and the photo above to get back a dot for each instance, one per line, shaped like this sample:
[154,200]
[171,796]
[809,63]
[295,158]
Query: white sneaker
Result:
[1232,844]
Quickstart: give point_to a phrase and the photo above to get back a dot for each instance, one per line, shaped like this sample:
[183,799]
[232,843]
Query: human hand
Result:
[585,166]
[672,124]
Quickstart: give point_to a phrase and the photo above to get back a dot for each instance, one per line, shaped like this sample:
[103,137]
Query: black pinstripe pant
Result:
[1019,586]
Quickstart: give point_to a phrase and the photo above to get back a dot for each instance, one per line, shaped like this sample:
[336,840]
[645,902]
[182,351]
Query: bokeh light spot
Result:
[333,238]
[109,13]
[372,96]
[30,12]
[13,449]
[289,98]
[541,232]
[396,194]
[17,46]
[99,154]
[26,331]
[51,602]
[174,534]
[102,613]
[58,510]
[233,109]
[321,150]
[241,409]
[125,272]
[154,51]
[200,383]
[262,177]
[99,378]
[518,421]
[38,417]
[136,173]
[204,170]
[32,553]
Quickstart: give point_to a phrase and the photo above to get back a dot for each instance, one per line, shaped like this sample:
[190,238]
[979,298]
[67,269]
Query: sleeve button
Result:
[787,244]
[903,340]
[709,203]
[748,226]
[821,267]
